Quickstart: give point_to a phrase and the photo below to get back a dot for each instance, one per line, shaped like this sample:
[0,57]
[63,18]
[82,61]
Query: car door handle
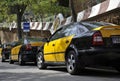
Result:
[53,45]
[67,41]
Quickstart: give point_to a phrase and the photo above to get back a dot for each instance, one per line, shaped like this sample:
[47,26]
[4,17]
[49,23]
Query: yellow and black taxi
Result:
[82,44]
[5,51]
[25,50]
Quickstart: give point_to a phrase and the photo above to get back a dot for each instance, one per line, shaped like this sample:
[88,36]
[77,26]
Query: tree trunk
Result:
[19,26]
[74,15]
[20,11]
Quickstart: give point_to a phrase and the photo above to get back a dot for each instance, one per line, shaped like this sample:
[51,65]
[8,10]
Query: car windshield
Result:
[35,39]
[6,45]
[92,25]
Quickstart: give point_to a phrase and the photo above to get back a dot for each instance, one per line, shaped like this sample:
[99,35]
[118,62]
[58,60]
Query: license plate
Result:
[116,39]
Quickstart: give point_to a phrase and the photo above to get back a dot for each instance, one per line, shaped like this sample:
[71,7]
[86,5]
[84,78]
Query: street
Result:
[29,72]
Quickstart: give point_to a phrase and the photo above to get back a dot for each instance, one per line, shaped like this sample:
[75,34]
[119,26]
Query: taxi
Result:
[25,50]
[82,44]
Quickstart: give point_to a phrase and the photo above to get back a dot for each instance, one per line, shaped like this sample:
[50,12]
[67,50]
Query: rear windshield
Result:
[35,39]
[92,25]
[29,39]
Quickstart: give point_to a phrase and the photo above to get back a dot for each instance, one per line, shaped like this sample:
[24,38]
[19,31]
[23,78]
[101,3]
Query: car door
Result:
[49,52]
[60,47]
[64,40]
[67,34]
[15,50]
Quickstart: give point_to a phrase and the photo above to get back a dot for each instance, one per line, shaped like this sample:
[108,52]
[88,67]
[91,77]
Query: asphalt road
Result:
[29,72]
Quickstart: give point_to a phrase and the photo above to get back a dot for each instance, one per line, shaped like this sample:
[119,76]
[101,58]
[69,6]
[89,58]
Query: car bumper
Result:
[6,55]
[29,57]
[100,56]
[99,50]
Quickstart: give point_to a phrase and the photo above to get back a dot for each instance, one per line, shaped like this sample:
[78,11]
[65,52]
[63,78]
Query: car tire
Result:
[3,58]
[10,60]
[40,61]
[20,60]
[73,65]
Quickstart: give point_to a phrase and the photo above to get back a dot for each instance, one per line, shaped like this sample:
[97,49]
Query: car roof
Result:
[88,24]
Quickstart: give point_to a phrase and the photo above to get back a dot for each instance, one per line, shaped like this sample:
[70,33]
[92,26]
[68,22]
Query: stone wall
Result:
[111,17]
[9,36]
[84,4]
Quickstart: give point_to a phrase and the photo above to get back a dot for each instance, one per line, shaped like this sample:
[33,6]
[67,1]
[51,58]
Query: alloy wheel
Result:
[40,61]
[20,61]
[71,63]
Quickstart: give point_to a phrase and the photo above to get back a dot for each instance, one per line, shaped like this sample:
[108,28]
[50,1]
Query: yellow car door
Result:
[49,54]
[15,52]
[61,46]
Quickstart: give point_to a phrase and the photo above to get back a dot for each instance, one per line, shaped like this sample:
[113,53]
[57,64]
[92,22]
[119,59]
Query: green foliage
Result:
[40,8]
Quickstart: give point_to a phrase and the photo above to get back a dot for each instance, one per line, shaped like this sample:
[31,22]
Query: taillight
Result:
[28,47]
[97,39]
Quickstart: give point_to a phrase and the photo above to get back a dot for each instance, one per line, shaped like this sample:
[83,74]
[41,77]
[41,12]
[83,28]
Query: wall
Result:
[9,36]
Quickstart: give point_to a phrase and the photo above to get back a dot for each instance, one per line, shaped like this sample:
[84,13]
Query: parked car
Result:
[5,51]
[0,50]
[25,52]
[80,45]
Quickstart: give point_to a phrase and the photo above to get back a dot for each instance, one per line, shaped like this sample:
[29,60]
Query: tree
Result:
[40,8]
[15,7]
[72,6]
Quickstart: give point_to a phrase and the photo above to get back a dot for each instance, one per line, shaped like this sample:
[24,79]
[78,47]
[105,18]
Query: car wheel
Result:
[10,60]
[20,60]
[3,58]
[40,61]
[73,65]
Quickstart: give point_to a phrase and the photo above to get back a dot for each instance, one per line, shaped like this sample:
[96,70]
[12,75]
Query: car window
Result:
[0,45]
[14,44]
[64,31]
[56,35]
[71,29]
[75,29]
[34,39]
[68,30]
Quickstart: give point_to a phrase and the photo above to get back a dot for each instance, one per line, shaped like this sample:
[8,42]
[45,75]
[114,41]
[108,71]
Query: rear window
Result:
[35,39]
[92,25]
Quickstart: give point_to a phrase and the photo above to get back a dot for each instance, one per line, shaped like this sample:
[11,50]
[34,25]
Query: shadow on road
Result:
[100,73]
[91,72]
[26,64]
[58,68]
